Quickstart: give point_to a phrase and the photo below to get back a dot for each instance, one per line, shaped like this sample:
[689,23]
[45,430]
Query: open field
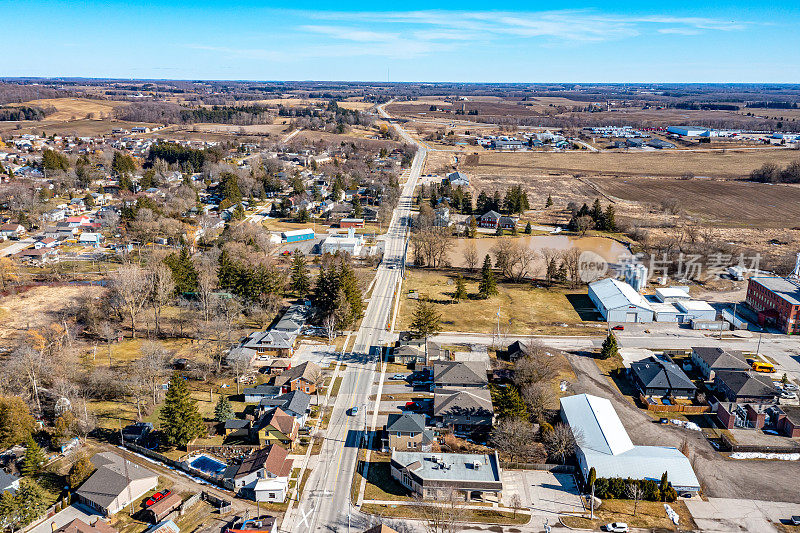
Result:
[719,164]
[79,127]
[72,108]
[254,129]
[523,309]
[726,202]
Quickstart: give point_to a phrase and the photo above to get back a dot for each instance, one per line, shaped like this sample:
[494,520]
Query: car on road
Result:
[354,410]
[619,327]
[401,377]
[157,497]
[616,527]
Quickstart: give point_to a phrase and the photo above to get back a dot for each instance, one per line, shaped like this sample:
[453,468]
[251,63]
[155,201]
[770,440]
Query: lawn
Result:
[380,485]
[482,516]
[523,308]
[648,515]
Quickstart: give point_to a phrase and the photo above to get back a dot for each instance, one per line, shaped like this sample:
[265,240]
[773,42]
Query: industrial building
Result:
[605,446]
[619,302]
[690,131]
[777,302]
[350,243]
[297,235]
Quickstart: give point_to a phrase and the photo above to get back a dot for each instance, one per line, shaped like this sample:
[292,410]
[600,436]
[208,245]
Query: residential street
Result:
[326,499]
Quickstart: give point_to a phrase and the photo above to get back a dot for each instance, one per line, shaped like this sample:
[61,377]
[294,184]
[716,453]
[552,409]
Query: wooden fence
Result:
[675,408]
[562,469]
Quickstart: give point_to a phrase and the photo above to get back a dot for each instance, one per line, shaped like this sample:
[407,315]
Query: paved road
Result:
[326,505]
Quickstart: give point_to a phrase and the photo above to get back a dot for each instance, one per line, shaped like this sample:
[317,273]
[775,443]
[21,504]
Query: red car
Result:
[157,497]
[618,328]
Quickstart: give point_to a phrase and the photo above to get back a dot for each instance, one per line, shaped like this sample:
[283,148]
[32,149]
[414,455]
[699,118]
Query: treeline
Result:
[169,113]
[706,106]
[251,283]
[584,218]
[18,93]
[772,173]
[773,105]
[192,158]
[25,112]
[332,118]
[635,489]
[514,202]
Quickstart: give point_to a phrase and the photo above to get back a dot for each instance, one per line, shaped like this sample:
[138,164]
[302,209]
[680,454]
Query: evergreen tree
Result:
[549,201]
[499,231]
[426,321]
[30,500]
[509,403]
[473,227]
[610,348]
[238,212]
[349,284]
[180,420]
[461,288]
[223,410]
[664,485]
[488,284]
[34,459]
[483,204]
[610,219]
[528,229]
[303,216]
[358,211]
[300,281]
[184,274]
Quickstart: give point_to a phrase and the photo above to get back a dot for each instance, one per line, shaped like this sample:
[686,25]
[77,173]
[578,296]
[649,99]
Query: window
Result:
[398,434]
[409,444]
[271,495]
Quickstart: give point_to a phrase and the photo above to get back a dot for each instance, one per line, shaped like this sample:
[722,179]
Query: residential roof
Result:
[6,480]
[723,359]
[661,374]
[466,372]
[493,215]
[746,383]
[406,422]
[380,529]
[164,506]
[307,371]
[262,390]
[295,401]
[450,466]
[279,419]
[781,287]
[236,423]
[614,294]
[79,526]
[110,479]
[472,402]
[165,526]
[292,320]
[272,459]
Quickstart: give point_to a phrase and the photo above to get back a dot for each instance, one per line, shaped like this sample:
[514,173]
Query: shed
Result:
[697,310]
[159,510]
[619,302]
[297,235]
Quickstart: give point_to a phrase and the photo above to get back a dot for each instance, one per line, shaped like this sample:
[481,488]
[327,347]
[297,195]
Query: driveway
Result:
[65,517]
[321,354]
[723,515]
[546,494]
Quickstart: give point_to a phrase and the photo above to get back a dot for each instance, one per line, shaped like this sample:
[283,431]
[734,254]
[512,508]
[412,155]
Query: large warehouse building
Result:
[605,446]
[619,302]
[777,302]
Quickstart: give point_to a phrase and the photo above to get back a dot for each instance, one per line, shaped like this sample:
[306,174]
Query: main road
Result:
[325,503]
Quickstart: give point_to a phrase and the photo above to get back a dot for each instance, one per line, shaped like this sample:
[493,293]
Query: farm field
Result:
[72,108]
[736,203]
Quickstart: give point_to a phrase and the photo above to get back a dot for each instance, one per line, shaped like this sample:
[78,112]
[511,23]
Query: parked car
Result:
[786,395]
[157,497]
[616,527]
[619,327]
[791,387]
[795,520]
[401,377]
[664,420]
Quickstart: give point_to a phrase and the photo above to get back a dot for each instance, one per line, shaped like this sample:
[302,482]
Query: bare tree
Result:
[442,516]
[329,326]
[537,396]
[560,441]
[471,255]
[317,379]
[551,257]
[538,365]
[513,436]
[635,492]
[583,224]
[30,363]
[152,366]
[516,503]
[206,282]
[571,260]
[131,284]
[162,292]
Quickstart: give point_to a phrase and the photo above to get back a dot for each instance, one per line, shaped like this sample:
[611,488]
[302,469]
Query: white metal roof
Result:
[614,294]
[672,292]
[695,305]
[294,232]
[599,427]
[645,462]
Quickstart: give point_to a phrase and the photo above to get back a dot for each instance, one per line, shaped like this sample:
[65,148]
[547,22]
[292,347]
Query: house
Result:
[38,256]
[416,354]
[465,411]
[442,217]
[295,403]
[90,239]
[654,377]
[619,302]
[159,510]
[55,215]
[79,526]
[274,366]
[262,476]
[116,483]
[12,230]
[46,242]
[265,343]
[745,386]
[457,179]
[237,428]
[408,355]
[507,222]
[406,431]
[605,446]
[490,219]
[304,377]
[516,350]
[458,374]
[777,302]
[259,392]
[292,320]
[711,360]
[276,427]
[789,421]
[8,482]
[746,415]
[441,476]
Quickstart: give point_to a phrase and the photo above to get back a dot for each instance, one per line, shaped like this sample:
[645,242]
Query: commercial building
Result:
[297,235]
[606,446]
[777,302]
[350,243]
[619,302]
[438,476]
[351,223]
[690,131]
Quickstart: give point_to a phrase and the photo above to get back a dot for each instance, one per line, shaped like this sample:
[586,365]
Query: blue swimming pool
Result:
[207,464]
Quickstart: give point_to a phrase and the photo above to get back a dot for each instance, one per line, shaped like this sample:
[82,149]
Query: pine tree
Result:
[528,229]
[610,348]
[499,231]
[664,485]
[610,219]
[180,420]
[184,274]
[549,201]
[238,212]
[461,288]
[300,281]
[426,321]
[34,459]
[30,501]
[488,284]
[223,410]
[349,284]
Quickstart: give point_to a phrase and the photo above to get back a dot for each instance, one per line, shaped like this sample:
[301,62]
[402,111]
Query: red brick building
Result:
[351,223]
[777,302]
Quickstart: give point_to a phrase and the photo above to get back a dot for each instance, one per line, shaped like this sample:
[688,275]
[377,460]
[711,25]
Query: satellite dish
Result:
[62,406]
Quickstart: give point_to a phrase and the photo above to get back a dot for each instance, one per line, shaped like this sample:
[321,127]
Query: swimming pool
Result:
[207,464]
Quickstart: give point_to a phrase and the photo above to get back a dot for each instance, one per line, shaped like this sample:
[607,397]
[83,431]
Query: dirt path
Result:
[719,476]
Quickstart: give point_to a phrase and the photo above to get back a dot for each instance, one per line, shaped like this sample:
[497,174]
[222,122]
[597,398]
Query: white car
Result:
[616,527]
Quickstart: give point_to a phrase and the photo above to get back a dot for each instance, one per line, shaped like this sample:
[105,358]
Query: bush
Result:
[614,488]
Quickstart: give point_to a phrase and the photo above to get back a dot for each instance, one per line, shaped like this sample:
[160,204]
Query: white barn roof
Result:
[615,294]
[600,427]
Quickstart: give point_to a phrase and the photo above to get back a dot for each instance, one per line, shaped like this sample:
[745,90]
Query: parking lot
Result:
[723,515]
[546,494]
[321,354]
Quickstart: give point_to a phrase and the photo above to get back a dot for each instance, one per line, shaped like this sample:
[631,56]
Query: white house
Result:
[88,238]
[263,476]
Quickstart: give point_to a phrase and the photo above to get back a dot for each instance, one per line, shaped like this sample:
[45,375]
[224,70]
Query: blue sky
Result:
[611,41]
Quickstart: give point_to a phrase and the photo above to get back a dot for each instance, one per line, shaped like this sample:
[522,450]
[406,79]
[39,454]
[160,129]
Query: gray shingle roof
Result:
[719,358]
[108,482]
[748,384]
[459,372]
[406,422]
[662,375]
[472,402]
